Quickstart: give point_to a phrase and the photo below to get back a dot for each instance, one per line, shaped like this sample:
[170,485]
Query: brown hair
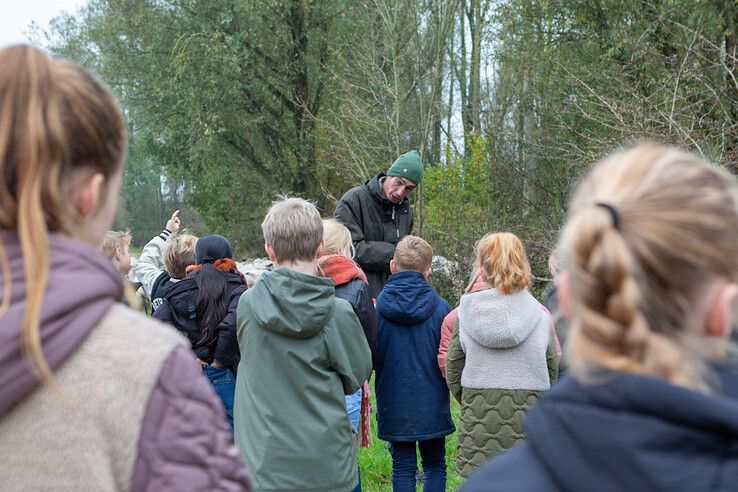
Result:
[114,241]
[179,253]
[502,262]
[413,253]
[55,120]
[639,271]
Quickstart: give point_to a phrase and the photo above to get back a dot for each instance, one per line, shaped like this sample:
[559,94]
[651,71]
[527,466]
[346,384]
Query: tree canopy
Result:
[232,102]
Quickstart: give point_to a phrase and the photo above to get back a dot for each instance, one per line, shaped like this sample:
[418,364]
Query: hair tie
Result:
[613,213]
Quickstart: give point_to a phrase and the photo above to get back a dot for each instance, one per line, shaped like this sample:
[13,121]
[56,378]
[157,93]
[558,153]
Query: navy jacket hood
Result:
[623,432]
[407,299]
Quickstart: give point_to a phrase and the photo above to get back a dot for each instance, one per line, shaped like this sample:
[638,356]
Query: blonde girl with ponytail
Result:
[93,396]
[651,247]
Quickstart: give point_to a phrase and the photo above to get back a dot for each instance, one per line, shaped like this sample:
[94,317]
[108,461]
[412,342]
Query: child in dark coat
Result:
[412,397]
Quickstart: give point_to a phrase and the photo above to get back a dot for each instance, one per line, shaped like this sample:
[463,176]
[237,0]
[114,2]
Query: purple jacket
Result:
[183,438]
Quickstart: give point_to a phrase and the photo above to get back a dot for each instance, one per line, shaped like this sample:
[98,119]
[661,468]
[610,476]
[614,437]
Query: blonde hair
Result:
[413,253]
[294,229]
[179,253]
[55,120]
[502,262]
[337,238]
[114,241]
[639,272]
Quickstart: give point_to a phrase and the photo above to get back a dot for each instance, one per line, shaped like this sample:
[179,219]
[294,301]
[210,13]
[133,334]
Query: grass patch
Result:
[376,462]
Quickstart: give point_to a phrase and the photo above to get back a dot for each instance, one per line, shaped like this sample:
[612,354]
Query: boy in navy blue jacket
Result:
[412,397]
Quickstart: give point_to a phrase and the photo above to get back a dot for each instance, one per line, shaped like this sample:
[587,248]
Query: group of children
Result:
[408,336]
[96,396]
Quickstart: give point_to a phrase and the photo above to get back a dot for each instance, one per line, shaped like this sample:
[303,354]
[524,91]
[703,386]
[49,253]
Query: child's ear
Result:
[427,273]
[321,250]
[718,321]
[393,268]
[88,193]
[270,253]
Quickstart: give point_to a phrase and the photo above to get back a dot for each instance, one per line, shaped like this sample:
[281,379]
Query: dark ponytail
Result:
[210,306]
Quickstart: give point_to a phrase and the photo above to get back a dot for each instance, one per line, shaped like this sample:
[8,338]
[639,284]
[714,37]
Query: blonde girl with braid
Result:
[650,290]
[93,395]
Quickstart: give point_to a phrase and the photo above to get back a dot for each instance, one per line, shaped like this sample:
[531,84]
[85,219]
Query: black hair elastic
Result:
[613,213]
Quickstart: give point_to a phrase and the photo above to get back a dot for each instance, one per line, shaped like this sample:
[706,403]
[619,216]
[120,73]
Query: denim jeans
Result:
[224,382]
[405,465]
[353,408]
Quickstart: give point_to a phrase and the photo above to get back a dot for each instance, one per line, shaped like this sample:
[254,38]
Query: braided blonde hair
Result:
[639,273]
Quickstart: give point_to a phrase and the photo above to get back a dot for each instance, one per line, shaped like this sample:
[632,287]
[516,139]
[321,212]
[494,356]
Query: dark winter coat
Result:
[622,432]
[351,285]
[412,397]
[179,310]
[356,292]
[551,302]
[376,226]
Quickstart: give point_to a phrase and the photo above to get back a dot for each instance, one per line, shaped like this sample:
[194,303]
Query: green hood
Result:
[292,304]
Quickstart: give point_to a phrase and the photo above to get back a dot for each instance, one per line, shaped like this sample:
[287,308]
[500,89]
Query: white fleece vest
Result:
[504,337]
[85,436]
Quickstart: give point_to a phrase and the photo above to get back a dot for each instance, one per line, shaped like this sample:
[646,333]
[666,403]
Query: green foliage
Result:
[472,196]
[230,103]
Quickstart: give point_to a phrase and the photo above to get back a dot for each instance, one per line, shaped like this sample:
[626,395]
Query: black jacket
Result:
[376,226]
[178,309]
[356,292]
[622,432]
[159,290]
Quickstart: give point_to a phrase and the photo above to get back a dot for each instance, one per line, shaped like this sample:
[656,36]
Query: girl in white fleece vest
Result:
[501,356]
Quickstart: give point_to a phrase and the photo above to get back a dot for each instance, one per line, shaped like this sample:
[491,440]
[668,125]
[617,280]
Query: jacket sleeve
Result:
[184,437]
[447,329]
[164,313]
[367,316]
[348,350]
[455,361]
[150,264]
[370,255]
[552,362]
[226,350]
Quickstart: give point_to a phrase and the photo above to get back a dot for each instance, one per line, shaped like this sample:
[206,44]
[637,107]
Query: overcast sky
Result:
[17,15]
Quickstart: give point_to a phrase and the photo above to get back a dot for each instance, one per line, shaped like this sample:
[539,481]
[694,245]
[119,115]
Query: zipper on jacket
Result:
[397,230]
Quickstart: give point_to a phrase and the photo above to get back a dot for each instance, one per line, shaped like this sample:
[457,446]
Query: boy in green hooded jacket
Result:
[302,350]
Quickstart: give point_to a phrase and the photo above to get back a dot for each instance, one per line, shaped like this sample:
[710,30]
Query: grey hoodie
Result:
[504,337]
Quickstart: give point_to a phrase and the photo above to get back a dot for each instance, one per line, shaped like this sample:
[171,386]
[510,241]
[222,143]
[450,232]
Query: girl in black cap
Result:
[203,307]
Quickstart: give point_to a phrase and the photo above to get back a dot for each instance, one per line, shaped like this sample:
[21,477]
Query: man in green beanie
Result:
[378,215]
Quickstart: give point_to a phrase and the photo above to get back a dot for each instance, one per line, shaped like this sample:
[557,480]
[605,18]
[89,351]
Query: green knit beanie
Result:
[408,166]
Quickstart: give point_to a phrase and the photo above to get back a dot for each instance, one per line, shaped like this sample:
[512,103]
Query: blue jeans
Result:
[405,465]
[353,408]
[224,382]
